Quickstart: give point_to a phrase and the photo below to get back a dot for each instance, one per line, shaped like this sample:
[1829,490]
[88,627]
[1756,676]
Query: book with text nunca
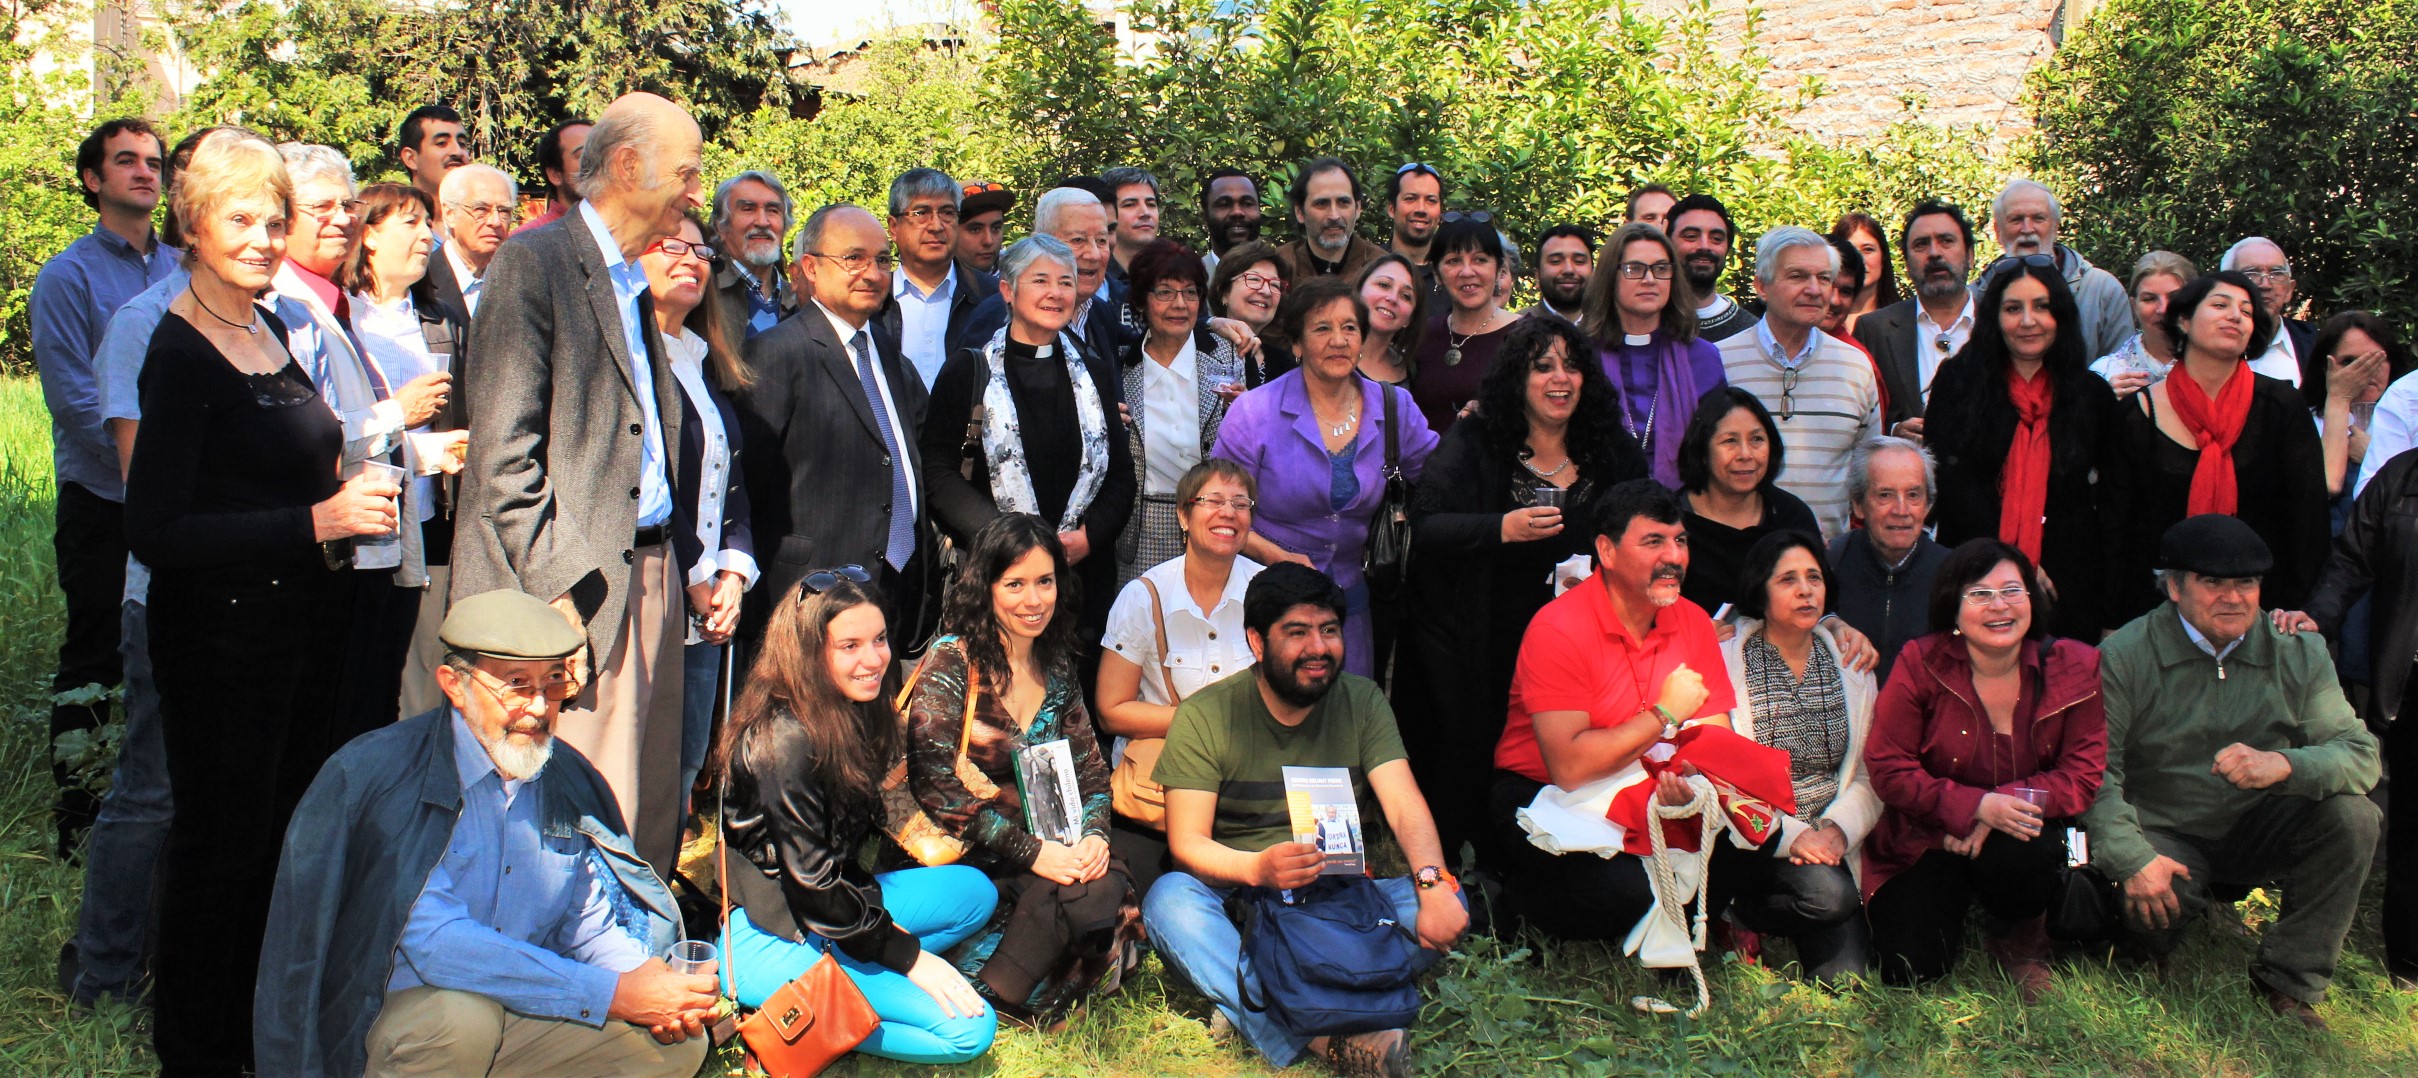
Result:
[1053,804]
[1326,817]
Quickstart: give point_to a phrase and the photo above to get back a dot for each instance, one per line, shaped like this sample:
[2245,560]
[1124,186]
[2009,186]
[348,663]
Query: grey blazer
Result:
[549,495]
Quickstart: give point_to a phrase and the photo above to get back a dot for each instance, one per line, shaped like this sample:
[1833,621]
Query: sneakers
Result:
[2291,1008]
[2023,951]
[1383,1054]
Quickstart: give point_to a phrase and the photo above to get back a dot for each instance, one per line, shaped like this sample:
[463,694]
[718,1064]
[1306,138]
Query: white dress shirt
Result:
[713,471]
[1928,354]
[391,335]
[629,283]
[1171,419]
[471,281]
[2280,360]
[847,335]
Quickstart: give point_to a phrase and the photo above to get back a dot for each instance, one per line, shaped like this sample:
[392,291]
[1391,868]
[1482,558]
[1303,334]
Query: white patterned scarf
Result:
[1003,437]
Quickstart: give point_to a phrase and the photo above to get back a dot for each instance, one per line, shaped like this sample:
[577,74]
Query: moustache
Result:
[1667,571]
[760,233]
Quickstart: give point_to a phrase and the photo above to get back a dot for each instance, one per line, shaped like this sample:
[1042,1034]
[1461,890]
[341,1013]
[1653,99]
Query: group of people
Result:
[835,535]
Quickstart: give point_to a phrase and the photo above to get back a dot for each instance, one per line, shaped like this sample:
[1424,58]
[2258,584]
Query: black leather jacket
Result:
[2377,555]
[802,847]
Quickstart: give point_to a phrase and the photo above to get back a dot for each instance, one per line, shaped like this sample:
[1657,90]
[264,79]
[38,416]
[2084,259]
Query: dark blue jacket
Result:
[365,838]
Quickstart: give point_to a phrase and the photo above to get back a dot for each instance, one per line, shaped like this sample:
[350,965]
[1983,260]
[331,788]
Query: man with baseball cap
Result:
[532,944]
[2233,761]
[982,224]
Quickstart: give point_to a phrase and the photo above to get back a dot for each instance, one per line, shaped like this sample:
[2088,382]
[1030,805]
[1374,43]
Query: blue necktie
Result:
[902,511]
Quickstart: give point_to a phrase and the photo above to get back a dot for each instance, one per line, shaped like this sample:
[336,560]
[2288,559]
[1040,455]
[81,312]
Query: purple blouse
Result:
[1274,435]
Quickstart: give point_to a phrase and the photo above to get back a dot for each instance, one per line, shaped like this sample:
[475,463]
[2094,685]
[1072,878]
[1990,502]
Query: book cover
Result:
[1053,804]
[1326,817]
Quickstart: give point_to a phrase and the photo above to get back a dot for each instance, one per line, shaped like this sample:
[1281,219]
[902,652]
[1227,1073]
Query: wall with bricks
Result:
[1965,58]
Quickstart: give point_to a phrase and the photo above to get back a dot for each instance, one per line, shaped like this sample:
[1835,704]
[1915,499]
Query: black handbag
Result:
[1388,554]
[2086,907]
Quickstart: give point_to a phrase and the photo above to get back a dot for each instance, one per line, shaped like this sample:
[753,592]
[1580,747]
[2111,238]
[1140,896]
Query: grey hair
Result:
[1511,253]
[305,162]
[1998,206]
[918,183]
[1055,202]
[2233,253]
[449,189]
[1779,241]
[1021,255]
[722,194]
[1859,465]
[1118,178]
[634,128]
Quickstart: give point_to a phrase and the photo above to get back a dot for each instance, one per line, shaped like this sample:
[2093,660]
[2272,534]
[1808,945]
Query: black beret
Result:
[2215,544]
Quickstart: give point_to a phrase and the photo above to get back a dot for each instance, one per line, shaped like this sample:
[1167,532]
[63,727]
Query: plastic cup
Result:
[1551,497]
[2033,796]
[692,957]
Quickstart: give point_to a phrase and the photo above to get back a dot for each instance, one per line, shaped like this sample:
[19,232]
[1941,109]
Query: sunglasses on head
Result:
[823,580]
[1416,166]
[1480,216]
[973,189]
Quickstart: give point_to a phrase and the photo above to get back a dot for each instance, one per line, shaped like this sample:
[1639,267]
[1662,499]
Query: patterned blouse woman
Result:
[1001,682]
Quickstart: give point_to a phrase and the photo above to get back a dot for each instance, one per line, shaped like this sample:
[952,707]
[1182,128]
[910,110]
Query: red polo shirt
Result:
[1578,656]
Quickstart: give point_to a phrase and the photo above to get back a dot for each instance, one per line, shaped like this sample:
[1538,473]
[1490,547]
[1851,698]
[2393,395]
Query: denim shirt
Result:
[513,913]
[72,301]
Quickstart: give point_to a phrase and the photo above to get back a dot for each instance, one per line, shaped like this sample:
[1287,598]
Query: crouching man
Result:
[1227,820]
[459,895]
[2233,762]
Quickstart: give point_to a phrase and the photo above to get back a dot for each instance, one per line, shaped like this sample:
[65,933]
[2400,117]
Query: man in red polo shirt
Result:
[1606,670]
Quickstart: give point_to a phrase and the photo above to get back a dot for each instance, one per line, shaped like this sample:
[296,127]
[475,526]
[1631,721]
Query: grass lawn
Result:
[1493,1009]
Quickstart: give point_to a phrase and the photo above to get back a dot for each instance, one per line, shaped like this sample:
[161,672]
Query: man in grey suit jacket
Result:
[1909,339]
[567,494]
[827,459]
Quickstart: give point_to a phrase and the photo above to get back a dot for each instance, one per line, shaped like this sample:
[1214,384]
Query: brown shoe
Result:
[2023,952]
[2291,1008]
[1383,1054]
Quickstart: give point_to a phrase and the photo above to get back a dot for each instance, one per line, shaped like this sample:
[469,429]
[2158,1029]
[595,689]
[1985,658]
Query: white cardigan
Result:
[1856,808]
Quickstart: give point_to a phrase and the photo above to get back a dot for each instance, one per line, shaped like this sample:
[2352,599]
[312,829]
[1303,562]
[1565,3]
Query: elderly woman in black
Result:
[232,500]
[2020,427]
[1488,528]
[1177,382]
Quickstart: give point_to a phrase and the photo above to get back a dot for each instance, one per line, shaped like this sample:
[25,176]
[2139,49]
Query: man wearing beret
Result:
[2233,761]
[459,896]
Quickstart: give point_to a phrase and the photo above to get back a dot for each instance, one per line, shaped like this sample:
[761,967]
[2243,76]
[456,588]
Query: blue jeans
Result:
[124,850]
[701,687]
[1188,924]
[940,907]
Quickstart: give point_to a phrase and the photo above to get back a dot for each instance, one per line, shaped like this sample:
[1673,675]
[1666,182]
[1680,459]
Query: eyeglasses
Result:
[823,580]
[2262,276]
[2012,594]
[1215,502]
[1943,341]
[1480,216]
[856,263]
[973,189]
[1638,271]
[1173,295]
[328,208]
[1261,282]
[521,694]
[487,212]
[677,248]
[1788,392]
[924,214]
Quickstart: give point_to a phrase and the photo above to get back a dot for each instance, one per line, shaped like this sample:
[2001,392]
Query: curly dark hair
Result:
[965,610]
[1161,262]
[1605,452]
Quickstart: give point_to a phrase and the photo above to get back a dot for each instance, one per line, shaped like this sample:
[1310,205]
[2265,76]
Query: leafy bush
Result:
[42,118]
[2188,124]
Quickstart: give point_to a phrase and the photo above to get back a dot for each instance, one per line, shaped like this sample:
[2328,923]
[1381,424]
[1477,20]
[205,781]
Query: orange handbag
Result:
[810,1022]
[1132,792]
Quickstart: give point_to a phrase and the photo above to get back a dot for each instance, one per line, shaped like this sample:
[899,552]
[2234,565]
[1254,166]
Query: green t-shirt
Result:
[1225,741]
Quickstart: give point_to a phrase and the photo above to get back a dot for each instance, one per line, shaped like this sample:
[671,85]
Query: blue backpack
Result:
[1335,960]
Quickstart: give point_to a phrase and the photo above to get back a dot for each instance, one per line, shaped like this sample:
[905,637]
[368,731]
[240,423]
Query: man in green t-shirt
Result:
[1228,824]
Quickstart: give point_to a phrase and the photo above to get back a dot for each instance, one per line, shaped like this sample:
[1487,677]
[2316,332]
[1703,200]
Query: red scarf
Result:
[2216,425]
[2024,485]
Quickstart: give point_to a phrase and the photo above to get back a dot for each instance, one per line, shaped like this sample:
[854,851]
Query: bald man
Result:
[568,494]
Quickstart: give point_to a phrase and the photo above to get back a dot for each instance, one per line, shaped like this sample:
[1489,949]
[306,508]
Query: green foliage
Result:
[916,110]
[2187,124]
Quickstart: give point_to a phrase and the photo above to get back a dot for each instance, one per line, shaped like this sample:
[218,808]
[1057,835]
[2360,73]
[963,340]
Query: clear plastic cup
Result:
[1549,496]
[692,957]
[2033,796]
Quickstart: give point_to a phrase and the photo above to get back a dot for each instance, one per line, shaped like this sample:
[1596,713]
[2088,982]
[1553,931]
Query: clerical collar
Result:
[1637,340]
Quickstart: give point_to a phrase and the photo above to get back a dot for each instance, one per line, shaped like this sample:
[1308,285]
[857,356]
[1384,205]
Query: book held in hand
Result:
[1326,817]
[1053,804]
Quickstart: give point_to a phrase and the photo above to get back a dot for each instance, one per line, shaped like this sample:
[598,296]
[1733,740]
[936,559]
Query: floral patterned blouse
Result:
[994,826]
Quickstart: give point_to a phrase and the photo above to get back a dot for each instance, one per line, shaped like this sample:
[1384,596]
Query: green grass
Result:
[1492,1010]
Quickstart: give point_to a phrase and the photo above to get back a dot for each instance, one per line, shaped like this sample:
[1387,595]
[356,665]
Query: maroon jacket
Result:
[1927,753]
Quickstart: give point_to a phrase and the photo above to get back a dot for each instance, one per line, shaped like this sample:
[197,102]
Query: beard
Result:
[518,760]
[1561,297]
[1285,680]
[1702,277]
[1940,286]
[1237,232]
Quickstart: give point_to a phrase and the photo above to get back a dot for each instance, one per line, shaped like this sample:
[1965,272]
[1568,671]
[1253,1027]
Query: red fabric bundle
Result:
[1750,778]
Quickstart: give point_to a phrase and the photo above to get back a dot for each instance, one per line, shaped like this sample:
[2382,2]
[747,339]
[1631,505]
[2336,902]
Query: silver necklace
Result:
[1344,426]
[1529,463]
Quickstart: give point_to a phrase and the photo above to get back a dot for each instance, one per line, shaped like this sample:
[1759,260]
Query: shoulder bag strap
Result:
[1158,623]
[1393,439]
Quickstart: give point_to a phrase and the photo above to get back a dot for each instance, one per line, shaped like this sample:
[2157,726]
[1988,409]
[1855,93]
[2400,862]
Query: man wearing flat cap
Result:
[459,895]
[2233,761]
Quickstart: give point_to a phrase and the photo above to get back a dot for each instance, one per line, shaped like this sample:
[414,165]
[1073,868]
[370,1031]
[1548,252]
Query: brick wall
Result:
[1965,58]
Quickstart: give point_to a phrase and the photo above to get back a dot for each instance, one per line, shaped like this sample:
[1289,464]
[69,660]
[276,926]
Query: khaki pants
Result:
[440,1032]
[628,723]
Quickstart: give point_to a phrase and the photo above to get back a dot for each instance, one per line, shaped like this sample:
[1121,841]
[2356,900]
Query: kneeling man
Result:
[1227,821]
[459,896]
[2233,761]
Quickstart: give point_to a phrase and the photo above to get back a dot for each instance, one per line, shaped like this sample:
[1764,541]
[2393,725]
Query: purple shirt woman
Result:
[1315,441]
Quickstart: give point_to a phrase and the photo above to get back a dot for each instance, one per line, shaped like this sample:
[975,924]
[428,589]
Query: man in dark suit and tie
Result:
[1909,339]
[2291,353]
[568,491]
[832,469]
[478,205]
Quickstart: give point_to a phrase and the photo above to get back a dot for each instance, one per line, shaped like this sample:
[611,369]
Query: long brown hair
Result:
[1599,306]
[724,363]
[380,201]
[791,682]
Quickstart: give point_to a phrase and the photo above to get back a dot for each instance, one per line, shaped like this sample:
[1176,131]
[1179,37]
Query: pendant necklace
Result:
[252,327]
[1452,355]
[1343,426]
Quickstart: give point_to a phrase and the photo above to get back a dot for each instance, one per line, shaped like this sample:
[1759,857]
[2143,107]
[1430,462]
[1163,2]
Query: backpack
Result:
[1334,961]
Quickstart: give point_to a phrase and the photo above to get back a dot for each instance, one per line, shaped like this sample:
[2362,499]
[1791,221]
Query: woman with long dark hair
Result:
[1001,681]
[802,757]
[1397,315]
[2021,428]
[1866,234]
[1490,521]
[1641,316]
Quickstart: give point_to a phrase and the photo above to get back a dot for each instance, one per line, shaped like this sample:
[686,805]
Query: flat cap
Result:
[509,624]
[984,198]
[2214,544]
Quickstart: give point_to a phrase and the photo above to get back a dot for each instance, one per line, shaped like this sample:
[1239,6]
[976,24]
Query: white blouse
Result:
[1171,419]
[713,482]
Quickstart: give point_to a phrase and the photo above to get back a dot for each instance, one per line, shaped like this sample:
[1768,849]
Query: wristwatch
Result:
[1670,722]
[1429,876]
